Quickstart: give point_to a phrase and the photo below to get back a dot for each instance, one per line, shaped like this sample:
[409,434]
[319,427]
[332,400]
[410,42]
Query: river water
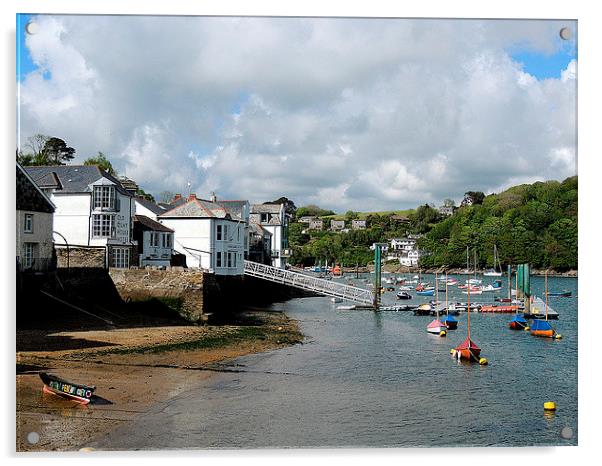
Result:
[365,379]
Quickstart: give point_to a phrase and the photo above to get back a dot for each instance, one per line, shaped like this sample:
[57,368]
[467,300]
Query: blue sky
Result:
[24,63]
[544,66]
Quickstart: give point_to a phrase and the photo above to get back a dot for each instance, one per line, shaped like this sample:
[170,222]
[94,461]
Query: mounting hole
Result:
[31,27]
[566,433]
[33,438]
[565,33]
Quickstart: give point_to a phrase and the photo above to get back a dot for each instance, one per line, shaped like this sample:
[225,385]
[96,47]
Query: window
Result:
[219,233]
[121,258]
[238,233]
[154,239]
[265,218]
[104,197]
[234,259]
[226,232]
[29,254]
[28,227]
[218,259]
[167,240]
[103,226]
[229,259]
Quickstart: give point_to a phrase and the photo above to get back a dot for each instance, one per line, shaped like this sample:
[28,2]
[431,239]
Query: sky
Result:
[360,114]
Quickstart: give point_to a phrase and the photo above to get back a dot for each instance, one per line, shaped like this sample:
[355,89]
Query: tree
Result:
[140,192]
[56,152]
[351,215]
[101,161]
[289,205]
[473,198]
[449,203]
[166,196]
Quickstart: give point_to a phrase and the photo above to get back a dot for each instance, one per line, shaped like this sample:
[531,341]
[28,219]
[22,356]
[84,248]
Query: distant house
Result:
[306,219]
[316,224]
[155,242]
[92,209]
[400,218]
[35,250]
[209,235]
[337,225]
[358,224]
[446,210]
[273,218]
[405,250]
[410,259]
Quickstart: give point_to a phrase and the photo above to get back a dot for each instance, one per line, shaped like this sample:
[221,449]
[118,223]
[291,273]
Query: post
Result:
[377,274]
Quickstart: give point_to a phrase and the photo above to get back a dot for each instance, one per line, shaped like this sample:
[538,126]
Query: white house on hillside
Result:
[273,218]
[34,225]
[92,209]
[208,234]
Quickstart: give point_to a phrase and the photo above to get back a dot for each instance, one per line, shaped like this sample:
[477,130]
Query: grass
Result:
[238,335]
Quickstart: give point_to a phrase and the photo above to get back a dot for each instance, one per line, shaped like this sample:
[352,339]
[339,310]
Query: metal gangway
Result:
[306,282]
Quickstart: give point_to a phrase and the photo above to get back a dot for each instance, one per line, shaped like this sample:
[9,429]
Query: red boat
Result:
[468,350]
[73,391]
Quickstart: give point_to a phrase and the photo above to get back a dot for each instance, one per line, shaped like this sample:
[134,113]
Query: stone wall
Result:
[184,285]
[81,257]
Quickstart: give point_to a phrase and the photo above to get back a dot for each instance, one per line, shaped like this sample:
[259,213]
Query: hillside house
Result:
[358,224]
[35,249]
[306,219]
[92,209]
[446,210]
[337,225]
[209,235]
[273,218]
[316,224]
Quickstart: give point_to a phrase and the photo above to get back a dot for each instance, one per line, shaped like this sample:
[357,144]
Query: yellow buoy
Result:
[558,336]
[442,333]
[483,361]
[549,406]
[452,351]
[527,329]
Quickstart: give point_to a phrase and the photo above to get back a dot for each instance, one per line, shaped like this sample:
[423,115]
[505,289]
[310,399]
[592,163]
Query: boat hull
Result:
[543,333]
[75,392]
[469,354]
[515,325]
[451,325]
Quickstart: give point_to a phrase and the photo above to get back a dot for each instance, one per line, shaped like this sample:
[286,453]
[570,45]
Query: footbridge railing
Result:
[306,282]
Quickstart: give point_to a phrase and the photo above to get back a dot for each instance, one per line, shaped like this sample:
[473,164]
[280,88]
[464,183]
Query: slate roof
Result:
[200,208]
[74,178]
[150,205]
[234,207]
[149,224]
[29,196]
[266,208]
[257,229]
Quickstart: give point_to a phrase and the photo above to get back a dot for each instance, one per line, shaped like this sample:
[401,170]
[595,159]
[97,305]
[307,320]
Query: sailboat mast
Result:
[468,310]
[436,297]
[446,302]
[475,263]
[467,264]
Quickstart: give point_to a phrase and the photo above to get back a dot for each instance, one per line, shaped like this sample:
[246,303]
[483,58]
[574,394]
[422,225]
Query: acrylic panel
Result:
[295,232]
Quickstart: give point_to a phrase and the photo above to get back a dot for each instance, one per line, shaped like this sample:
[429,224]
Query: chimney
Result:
[177,197]
[213,197]
[191,197]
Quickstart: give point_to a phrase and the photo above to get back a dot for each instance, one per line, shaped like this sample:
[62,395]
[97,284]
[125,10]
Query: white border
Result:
[589,128]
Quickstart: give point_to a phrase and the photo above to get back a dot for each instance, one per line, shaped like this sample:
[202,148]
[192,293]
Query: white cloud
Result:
[345,113]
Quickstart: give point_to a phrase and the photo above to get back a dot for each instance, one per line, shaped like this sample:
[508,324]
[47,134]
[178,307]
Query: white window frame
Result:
[229,260]
[121,258]
[29,254]
[104,197]
[101,223]
[166,240]
[218,259]
[28,223]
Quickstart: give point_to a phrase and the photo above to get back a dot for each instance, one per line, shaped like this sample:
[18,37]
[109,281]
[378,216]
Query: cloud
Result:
[345,113]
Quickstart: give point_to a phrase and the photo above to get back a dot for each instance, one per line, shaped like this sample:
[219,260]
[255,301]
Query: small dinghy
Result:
[518,323]
[73,391]
[404,295]
[425,292]
[450,322]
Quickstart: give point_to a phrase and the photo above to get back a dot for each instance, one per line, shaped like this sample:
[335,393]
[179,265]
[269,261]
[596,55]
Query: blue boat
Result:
[450,322]
[542,328]
[426,293]
[518,323]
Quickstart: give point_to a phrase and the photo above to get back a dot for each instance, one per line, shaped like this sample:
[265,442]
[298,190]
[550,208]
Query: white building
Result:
[35,250]
[358,224]
[273,218]
[147,208]
[155,242]
[209,235]
[410,259]
[92,209]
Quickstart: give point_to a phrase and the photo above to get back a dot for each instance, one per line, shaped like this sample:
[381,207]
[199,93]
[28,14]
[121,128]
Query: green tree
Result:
[101,161]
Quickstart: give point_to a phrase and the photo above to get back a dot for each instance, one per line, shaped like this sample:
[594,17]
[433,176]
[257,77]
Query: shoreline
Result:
[132,368]
[395,268]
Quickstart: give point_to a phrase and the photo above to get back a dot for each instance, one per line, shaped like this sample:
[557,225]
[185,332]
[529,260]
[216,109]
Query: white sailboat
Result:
[494,272]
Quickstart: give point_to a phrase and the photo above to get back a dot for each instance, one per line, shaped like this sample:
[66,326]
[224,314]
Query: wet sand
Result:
[132,369]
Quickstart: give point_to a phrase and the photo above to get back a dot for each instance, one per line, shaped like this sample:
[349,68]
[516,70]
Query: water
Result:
[367,379]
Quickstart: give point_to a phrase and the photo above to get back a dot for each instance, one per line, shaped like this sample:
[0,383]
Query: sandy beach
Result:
[132,369]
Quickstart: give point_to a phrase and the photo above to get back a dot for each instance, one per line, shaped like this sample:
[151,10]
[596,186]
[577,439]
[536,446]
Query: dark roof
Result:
[29,195]
[74,178]
[149,224]
[49,181]
[266,208]
[150,205]
[234,207]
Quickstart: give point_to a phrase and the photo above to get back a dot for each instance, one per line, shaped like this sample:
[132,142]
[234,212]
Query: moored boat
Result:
[430,292]
[450,322]
[518,323]
[404,295]
[423,310]
[468,350]
[73,391]
[560,294]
